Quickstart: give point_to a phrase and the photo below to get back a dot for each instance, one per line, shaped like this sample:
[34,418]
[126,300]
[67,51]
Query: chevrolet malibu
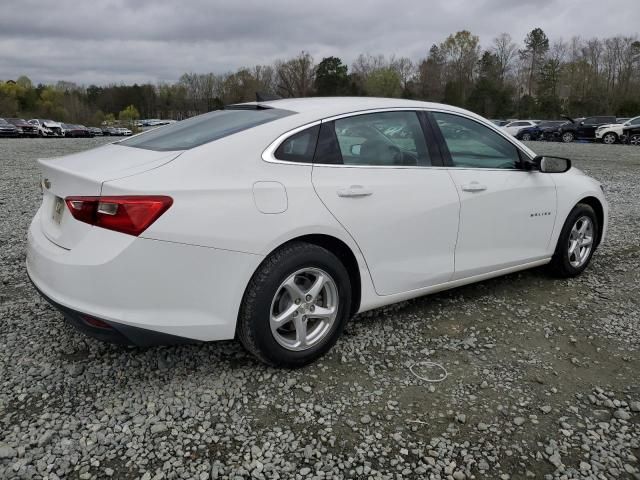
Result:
[275,222]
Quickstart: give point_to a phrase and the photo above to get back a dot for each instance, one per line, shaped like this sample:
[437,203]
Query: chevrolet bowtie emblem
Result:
[46,183]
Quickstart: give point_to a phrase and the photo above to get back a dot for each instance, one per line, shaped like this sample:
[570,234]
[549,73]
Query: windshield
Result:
[203,129]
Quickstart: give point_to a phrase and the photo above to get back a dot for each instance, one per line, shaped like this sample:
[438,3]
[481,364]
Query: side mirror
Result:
[355,150]
[552,164]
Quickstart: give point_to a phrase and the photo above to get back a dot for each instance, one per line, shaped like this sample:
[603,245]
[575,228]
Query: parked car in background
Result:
[513,128]
[583,129]
[73,130]
[632,135]
[25,129]
[613,132]
[8,129]
[47,128]
[623,119]
[95,131]
[109,131]
[256,248]
[539,131]
[499,123]
[124,132]
[550,131]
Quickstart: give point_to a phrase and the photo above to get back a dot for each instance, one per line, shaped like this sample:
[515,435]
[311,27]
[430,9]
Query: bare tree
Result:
[505,51]
[295,76]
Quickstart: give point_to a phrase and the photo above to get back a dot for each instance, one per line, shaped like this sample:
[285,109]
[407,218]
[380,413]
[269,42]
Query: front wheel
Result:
[577,242]
[610,138]
[635,140]
[295,306]
[568,137]
[526,137]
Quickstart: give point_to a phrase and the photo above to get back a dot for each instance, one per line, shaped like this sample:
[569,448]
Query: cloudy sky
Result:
[126,41]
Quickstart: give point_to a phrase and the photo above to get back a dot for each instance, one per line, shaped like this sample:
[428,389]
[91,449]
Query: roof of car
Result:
[330,106]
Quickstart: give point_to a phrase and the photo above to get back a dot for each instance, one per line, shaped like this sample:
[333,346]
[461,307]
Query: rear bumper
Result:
[112,332]
[134,284]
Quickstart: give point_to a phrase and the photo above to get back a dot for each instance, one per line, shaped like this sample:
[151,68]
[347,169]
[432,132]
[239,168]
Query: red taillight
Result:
[126,214]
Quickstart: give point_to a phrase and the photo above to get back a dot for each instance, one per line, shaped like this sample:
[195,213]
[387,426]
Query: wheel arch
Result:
[595,203]
[344,253]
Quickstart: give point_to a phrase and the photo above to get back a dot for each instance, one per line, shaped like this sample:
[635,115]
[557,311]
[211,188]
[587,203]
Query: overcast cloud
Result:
[126,41]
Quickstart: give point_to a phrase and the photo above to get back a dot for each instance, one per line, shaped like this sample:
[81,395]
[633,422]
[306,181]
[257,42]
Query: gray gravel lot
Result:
[543,374]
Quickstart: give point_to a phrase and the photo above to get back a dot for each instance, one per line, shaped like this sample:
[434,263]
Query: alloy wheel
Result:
[304,309]
[567,137]
[609,139]
[635,140]
[580,242]
[526,137]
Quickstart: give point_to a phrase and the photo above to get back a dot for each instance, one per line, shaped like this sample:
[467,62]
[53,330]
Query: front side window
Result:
[472,145]
[203,129]
[635,121]
[380,139]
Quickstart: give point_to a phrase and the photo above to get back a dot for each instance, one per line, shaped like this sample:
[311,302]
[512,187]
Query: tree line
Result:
[537,78]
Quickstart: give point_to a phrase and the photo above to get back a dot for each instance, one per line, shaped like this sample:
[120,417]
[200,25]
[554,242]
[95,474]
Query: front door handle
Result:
[354,191]
[474,187]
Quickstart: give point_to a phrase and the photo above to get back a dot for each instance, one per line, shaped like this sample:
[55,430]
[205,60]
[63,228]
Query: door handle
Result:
[474,187]
[354,191]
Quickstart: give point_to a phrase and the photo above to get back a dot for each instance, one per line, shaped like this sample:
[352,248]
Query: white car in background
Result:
[611,133]
[47,128]
[513,128]
[275,222]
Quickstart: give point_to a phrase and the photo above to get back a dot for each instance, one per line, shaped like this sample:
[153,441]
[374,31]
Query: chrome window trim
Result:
[268,153]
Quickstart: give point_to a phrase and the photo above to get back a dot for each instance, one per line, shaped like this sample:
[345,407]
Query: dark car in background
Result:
[95,131]
[7,129]
[583,129]
[632,135]
[545,130]
[25,129]
[72,130]
[109,131]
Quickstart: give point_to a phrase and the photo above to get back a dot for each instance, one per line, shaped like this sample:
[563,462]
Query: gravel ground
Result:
[542,374]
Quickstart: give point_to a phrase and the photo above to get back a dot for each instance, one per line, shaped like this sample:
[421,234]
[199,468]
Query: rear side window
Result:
[203,129]
[299,147]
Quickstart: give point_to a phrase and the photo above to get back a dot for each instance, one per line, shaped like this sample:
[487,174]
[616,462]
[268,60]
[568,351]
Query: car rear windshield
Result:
[203,129]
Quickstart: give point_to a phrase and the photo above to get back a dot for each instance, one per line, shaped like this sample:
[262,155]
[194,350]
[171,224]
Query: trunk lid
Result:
[83,174]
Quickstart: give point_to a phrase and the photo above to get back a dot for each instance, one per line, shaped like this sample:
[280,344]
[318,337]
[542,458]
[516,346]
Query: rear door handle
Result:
[474,187]
[354,191]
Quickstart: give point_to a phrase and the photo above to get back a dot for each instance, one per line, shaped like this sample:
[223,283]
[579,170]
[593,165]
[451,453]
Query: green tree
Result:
[460,53]
[536,46]
[549,103]
[384,82]
[331,77]
[129,115]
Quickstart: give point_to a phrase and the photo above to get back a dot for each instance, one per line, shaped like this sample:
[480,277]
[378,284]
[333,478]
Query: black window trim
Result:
[446,155]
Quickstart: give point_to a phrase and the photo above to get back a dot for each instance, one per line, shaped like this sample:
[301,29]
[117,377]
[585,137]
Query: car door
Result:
[507,213]
[386,185]
[587,127]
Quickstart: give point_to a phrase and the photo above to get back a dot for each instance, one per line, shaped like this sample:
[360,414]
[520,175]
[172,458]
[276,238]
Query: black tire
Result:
[609,138]
[560,265]
[253,326]
[568,137]
[635,140]
[526,137]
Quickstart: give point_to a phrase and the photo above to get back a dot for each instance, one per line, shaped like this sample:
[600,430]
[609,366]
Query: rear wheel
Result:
[526,137]
[577,242]
[295,306]
[610,138]
[568,137]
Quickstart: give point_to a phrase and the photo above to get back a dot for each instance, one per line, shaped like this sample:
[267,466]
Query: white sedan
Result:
[276,222]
